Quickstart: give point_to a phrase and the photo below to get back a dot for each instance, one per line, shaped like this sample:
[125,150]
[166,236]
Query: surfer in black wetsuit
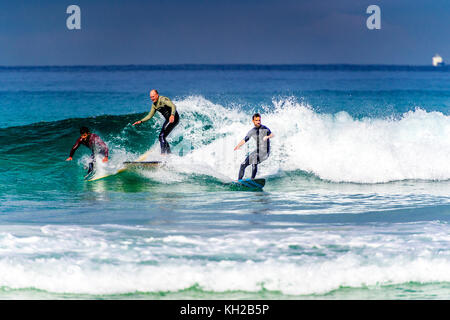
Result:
[93,142]
[261,134]
[166,107]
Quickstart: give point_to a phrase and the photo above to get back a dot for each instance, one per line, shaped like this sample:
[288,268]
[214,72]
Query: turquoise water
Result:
[356,202]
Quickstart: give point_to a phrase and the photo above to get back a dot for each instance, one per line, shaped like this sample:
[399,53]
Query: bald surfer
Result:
[93,142]
[261,134]
[169,111]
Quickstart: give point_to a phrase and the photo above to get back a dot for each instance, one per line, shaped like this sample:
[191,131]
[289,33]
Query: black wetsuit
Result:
[167,127]
[260,154]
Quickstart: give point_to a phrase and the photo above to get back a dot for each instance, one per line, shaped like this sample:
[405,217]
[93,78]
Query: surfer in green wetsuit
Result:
[166,107]
[261,134]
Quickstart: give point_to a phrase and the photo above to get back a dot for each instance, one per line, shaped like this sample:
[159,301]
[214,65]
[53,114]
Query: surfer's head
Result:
[257,120]
[84,132]
[154,95]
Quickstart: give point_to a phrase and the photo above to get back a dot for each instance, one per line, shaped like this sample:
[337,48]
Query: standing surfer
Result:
[166,107]
[93,142]
[261,134]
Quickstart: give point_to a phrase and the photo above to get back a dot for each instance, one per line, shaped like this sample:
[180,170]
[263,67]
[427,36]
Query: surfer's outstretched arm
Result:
[240,144]
[147,117]
[251,133]
[74,148]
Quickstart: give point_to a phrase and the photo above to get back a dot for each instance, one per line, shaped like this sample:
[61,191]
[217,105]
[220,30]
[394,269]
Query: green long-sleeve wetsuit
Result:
[164,105]
[166,108]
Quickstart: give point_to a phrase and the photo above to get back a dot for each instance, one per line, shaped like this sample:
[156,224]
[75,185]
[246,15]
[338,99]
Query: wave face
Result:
[332,147]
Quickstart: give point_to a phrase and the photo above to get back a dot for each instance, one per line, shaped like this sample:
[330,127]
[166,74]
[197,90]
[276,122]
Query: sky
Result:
[124,32]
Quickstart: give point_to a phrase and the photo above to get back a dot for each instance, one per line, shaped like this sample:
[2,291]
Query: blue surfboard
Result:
[255,184]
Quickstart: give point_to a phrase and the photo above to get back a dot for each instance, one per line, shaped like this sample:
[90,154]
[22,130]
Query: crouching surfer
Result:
[93,142]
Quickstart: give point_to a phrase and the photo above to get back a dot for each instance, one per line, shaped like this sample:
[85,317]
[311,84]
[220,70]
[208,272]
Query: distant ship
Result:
[438,61]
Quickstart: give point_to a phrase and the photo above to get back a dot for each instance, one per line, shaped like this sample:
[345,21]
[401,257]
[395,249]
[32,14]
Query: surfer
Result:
[93,142]
[261,134]
[166,107]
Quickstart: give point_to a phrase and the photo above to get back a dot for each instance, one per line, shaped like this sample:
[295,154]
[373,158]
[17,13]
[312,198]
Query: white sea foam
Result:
[334,147]
[103,260]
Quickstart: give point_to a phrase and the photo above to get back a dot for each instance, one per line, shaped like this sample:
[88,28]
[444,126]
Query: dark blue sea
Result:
[356,203]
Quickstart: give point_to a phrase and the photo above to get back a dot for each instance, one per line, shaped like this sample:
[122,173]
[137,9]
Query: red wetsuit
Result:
[93,142]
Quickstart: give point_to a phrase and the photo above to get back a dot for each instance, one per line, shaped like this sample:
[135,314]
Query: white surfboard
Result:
[129,164]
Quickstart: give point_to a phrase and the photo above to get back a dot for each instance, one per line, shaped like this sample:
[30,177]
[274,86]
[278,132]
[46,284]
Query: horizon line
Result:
[212,64]
[233,66]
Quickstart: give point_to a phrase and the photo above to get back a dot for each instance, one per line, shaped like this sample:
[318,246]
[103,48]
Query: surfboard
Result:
[93,177]
[257,184]
[143,164]
[126,165]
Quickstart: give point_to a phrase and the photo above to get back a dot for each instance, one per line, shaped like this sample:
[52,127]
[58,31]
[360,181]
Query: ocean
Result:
[356,203]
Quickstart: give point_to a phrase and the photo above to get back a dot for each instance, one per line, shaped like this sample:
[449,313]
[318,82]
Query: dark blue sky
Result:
[228,31]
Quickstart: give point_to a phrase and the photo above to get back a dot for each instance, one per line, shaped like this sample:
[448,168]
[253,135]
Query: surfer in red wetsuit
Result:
[93,142]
